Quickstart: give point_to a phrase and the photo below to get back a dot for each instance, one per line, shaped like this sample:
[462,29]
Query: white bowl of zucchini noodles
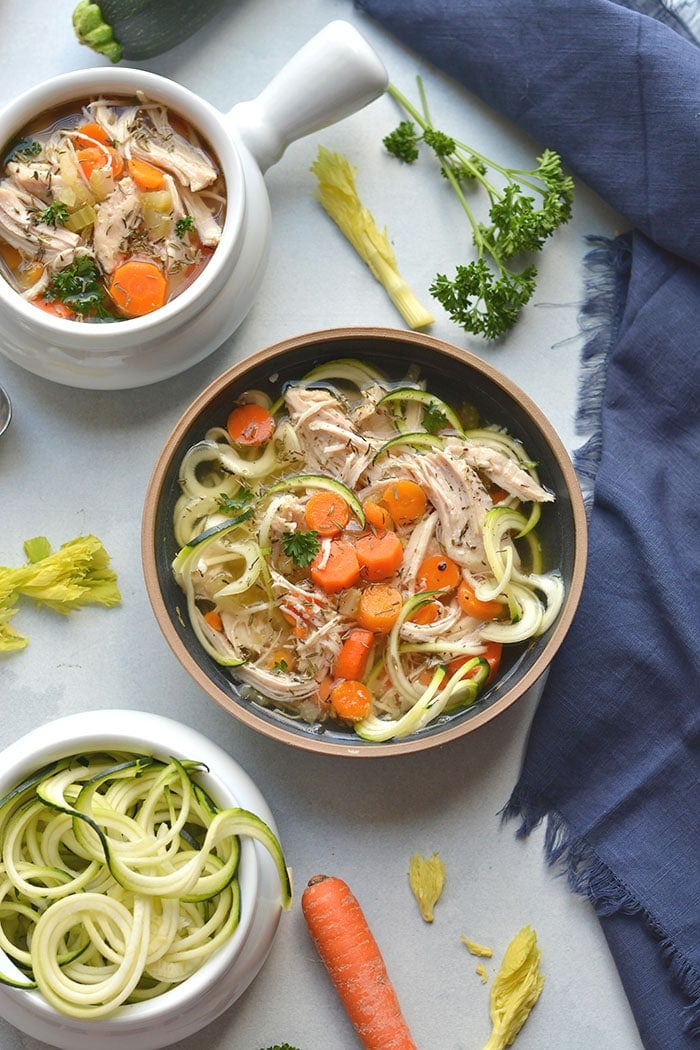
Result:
[364,541]
[142,881]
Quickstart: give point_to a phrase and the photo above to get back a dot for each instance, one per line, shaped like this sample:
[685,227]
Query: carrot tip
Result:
[316,879]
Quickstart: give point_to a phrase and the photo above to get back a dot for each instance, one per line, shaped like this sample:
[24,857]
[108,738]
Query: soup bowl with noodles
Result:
[98,150]
[364,542]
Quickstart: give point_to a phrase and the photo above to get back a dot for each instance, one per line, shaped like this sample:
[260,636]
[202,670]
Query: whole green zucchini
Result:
[136,29]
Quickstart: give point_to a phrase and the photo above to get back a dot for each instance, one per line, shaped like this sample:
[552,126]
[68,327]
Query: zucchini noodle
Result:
[118,879]
[251,576]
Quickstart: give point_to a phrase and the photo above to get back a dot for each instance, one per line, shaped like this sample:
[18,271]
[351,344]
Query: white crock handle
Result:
[336,73]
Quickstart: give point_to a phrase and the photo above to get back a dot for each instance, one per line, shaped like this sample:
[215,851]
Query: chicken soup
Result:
[109,209]
[360,551]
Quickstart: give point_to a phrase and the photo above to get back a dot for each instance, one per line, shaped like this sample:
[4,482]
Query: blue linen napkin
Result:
[612,761]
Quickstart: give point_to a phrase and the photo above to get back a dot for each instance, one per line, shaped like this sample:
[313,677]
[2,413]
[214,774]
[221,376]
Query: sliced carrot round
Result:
[250,424]
[56,307]
[405,500]
[438,573]
[380,555]
[90,133]
[335,569]
[322,696]
[351,700]
[96,158]
[147,176]
[473,606]
[376,516]
[379,607]
[327,513]
[138,287]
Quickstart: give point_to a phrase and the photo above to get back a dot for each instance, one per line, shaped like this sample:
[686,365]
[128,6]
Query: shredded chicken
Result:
[116,217]
[208,229]
[39,179]
[330,444]
[460,500]
[21,226]
[502,470]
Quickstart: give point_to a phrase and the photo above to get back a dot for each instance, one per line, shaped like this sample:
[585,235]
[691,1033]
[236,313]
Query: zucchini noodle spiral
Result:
[118,879]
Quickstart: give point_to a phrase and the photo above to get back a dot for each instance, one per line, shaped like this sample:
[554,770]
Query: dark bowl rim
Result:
[277,730]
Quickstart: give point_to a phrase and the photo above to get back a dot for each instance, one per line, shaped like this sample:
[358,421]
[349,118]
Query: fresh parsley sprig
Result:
[79,287]
[434,419]
[233,505]
[56,214]
[302,547]
[526,206]
[184,225]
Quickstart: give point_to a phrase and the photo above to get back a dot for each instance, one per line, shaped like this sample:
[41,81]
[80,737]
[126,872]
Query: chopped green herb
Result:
[280,667]
[24,148]
[282,1046]
[184,225]
[434,419]
[56,214]
[301,547]
[78,286]
[233,505]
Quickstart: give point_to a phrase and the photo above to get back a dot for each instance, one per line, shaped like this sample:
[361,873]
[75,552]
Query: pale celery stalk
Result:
[338,195]
[426,876]
[515,990]
[75,575]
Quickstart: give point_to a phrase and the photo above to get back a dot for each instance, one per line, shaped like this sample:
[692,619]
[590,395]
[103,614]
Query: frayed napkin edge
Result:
[589,876]
[607,268]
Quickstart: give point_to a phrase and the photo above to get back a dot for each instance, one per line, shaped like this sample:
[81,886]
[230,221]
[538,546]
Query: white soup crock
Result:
[336,73]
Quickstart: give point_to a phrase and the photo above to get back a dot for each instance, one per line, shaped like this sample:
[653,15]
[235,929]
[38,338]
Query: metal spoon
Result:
[5,410]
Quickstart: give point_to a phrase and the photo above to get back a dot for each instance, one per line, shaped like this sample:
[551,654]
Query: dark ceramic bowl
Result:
[455,374]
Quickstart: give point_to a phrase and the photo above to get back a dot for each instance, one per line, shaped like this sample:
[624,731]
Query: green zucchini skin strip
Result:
[243,822]
[419,439]
[12,983]
[423,397]
[216,532]
[195,549]
[349,369]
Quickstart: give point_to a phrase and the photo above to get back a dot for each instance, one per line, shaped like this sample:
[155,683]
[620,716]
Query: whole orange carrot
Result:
[354,963]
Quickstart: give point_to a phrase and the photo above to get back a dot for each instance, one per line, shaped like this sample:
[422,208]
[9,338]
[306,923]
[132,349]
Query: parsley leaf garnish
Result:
[434,419]
[233,505]
[184,225]
[23,149]
[56,214]
[301,547]
[78,286]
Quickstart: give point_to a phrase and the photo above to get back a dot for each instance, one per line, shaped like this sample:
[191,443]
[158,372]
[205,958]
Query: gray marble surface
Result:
[76,461]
